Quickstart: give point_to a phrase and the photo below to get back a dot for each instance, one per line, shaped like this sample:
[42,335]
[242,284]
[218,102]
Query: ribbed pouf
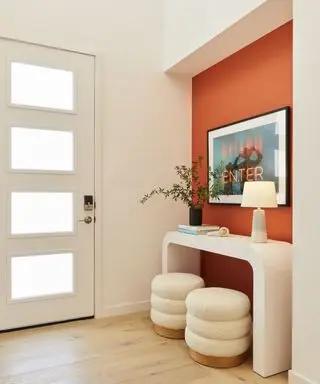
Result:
[219,327]
[168,306]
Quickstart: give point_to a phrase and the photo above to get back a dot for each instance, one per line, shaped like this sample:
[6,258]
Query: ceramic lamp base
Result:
[259,231]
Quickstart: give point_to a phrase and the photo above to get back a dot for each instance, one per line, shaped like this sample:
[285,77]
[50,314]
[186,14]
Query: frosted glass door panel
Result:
[41,150]
[41,212]
[35,86]
[41,275]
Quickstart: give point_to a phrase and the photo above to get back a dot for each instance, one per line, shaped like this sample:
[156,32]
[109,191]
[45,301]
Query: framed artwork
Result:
[253,149]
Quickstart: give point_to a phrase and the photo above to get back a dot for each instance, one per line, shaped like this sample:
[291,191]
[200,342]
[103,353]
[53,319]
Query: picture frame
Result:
[256,148]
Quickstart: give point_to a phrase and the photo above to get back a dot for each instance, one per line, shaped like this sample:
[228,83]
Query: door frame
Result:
[98,168]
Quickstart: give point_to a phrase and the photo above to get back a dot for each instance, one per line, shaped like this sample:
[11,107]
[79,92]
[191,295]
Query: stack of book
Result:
[197,230]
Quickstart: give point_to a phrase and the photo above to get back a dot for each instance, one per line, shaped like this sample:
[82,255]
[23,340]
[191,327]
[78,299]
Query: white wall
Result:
[146,125]
[306,192]
[190,24]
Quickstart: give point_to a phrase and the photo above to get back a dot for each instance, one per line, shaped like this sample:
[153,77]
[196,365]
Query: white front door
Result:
[46,170]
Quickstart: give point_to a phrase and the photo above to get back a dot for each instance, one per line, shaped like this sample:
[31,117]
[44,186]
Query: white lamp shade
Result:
[259,194]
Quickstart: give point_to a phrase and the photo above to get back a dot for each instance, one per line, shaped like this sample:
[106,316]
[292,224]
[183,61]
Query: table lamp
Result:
[259,194]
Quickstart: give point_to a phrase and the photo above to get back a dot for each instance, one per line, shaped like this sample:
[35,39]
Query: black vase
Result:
[195,216]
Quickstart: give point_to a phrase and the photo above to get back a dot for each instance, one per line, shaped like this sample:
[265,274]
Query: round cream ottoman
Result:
[168,306]
[219,327]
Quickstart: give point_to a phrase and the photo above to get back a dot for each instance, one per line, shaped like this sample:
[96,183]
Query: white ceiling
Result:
[264,19]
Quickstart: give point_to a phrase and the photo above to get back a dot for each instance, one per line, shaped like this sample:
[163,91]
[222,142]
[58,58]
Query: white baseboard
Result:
[295,378]
[125,308]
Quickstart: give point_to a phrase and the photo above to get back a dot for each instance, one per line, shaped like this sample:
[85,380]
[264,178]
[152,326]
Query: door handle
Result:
[86,220]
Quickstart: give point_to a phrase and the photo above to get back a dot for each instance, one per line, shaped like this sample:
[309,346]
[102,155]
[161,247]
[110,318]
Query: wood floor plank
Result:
[120,350]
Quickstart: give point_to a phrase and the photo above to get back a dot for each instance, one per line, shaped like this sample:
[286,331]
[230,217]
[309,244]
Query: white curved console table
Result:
[272,275]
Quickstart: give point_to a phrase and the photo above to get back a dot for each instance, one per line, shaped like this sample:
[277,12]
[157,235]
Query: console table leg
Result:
[176,258]
[271,321]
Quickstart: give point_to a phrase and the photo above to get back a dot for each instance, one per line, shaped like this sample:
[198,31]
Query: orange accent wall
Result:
[252,81]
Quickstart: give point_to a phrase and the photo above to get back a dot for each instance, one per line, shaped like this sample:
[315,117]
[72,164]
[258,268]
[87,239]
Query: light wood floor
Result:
[109,351]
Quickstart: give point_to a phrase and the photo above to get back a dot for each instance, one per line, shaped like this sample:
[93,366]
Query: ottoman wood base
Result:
[218,362]
[168,333]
